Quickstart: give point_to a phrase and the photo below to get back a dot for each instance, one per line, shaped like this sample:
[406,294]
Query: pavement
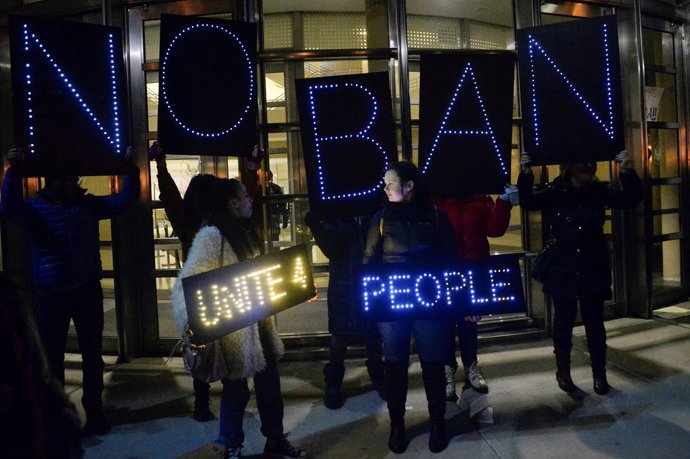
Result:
[525,415]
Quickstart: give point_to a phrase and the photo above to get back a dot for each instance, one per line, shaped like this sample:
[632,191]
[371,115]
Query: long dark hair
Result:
[202,199]
[407,171]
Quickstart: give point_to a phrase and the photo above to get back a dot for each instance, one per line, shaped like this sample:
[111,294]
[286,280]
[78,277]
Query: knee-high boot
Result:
[565,381]
[333,376]
[202,412]
[395,378]
[434,378]
[375,370]
[597,354]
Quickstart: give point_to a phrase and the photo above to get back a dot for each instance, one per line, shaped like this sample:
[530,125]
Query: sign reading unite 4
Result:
[227,299]
[410,291]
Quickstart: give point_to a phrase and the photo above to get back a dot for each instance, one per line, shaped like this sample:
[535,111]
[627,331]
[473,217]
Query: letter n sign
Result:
[465,121]
[207,88]
[571,91]
[348,139]
[70,96]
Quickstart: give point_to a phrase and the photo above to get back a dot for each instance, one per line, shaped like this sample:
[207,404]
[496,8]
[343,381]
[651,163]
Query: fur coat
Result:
[246,350]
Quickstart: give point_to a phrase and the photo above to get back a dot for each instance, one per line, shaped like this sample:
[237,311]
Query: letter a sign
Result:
[348,140]
[70,97]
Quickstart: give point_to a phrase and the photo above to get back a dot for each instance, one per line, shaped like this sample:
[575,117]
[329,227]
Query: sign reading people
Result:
[207,100]
[571,91]
[413,291]
[69,96]
[465,121]
[227,299]
[348,139]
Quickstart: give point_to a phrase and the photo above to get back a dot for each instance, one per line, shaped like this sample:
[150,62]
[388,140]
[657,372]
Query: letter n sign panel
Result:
[348,140]
[207,90]
[70,96]
[571,91]
[465,121]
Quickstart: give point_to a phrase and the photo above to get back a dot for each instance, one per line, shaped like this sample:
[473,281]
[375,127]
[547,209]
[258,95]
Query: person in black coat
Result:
[574,205]
[341,239]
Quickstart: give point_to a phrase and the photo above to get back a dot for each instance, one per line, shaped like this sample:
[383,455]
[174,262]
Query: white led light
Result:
[249,69]
[488,130]
[112,136]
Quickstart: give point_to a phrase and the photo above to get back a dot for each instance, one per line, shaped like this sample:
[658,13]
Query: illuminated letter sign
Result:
[348,140]
[465,121]
[207,101]
[230,298]
[410,291]
[69,96]
[570,88]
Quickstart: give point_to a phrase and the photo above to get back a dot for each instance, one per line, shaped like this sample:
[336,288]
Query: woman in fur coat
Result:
[226,238]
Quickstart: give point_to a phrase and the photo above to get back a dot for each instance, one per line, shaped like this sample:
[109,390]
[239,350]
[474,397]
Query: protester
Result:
[409,229]
[62,224]
[574,205]
[474,219]
[280,212]
[227,237]
[342,240]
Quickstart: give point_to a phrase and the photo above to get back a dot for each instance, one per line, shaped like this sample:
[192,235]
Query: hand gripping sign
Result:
[413,291]
[227,299]
[348,139]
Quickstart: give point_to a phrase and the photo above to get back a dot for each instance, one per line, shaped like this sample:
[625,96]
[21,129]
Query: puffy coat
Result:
[245,351]
[65,243]
[474,219]
[580,264]
[342,241]
[414,231]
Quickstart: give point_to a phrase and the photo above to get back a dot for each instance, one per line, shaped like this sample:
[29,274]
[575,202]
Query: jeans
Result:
[339,343]
[592,311]
[235,397]
[84,306]
[467,334]
[396,340]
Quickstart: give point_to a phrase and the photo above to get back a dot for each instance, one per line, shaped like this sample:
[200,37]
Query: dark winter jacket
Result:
[580,265]
[342,241]
[415,231]
[474,219]
[64,236]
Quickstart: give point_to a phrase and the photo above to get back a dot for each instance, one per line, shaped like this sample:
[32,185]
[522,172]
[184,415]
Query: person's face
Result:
[241,206]
[581,175]
[395,190]
[65,188]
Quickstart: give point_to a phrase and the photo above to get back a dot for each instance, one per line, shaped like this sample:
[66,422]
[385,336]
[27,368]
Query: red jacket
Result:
[473,220]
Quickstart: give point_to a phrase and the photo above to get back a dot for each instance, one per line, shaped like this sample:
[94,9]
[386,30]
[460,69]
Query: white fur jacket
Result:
[245,351]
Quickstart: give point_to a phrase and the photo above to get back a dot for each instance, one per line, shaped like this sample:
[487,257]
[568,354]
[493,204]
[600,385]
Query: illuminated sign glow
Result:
[404,291]
[488,130]
[230,298]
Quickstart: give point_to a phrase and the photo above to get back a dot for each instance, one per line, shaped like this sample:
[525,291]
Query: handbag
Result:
[205,364]
[541,265]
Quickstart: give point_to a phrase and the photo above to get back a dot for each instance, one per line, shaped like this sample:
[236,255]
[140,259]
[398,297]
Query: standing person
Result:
[342,241]
[410,229]
[474,220]
[574,205]
[227,238]
[280,213]
[62,224]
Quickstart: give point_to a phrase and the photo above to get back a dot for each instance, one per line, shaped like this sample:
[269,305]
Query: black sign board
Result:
[207,102]
[465,121]
[70,97]
[348,138]
[227,299]
[570,85]
[413,291]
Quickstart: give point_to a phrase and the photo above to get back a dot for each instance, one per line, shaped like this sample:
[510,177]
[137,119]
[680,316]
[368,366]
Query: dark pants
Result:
[469,345]
[84,306]
[592,312]
[339,343]
[428,336]
[235,397]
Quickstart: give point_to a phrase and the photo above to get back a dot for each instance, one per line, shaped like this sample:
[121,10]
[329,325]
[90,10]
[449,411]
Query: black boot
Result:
[375,370]
[202,412]
[565,381]
[433,374]
[598,358]
[395,379]
[333,376]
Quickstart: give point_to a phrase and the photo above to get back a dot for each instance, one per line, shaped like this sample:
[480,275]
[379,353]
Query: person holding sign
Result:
[342,240]
[62,224]
[574,205]
[408,228]
[474,220]
[227,237]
